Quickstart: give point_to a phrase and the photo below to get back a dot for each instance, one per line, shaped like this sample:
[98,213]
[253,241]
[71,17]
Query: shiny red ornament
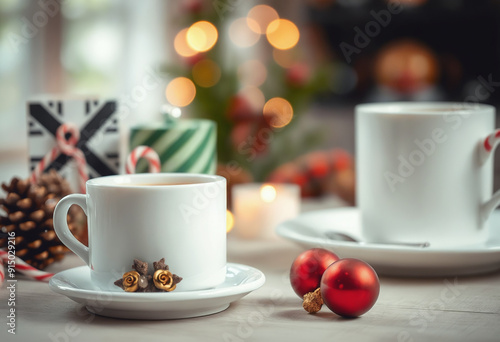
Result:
[350,287]
[307,269]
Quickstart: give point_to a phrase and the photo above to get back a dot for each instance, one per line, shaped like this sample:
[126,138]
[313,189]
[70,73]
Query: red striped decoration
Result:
[145,152]
[68,147]
[488,145]
[24,268]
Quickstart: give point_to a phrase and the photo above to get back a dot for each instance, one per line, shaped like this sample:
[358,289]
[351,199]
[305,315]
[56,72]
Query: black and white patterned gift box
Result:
[99,136]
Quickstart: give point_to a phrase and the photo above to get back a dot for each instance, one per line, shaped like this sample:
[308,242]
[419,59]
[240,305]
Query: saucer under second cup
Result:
[308,230]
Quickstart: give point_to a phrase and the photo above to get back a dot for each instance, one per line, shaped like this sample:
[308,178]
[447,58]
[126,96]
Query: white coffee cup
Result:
[132,217]
[425,172]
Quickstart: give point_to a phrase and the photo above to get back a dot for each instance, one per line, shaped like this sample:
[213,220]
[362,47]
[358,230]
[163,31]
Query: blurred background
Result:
[280,78]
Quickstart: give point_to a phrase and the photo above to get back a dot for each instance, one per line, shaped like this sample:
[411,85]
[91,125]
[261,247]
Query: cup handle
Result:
[486,150]
[61,224]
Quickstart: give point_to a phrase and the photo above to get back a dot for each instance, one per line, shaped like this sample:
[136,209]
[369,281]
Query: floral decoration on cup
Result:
[139,280]
[163,280]
[130,281]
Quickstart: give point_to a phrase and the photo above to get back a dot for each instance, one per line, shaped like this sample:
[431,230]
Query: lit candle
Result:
[229,221]
[259,208]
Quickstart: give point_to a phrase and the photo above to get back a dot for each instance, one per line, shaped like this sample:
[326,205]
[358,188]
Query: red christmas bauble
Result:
[307,269]
[350,287]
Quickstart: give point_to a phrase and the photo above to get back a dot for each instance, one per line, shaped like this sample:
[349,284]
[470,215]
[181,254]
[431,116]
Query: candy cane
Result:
[145,152]
[24,268]
[2,273]
[489,144]
[68,147]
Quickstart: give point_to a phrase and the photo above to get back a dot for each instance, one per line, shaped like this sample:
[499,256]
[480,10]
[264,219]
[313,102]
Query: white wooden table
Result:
[451,309]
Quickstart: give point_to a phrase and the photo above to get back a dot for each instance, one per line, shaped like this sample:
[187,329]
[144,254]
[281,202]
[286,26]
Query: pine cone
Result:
[28,212]
[54,183]
[57,185]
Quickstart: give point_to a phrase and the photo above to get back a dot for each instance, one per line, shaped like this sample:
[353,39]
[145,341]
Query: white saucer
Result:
[75,284]
[308,230]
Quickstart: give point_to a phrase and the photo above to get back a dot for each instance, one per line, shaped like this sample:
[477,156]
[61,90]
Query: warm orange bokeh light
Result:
[252,73]
[202,36]
[282,34]
[206,73]
[181,45]
[229,221]
[240,33]
[255,98]
[278,112]
[259,18]
[406,66]
[180,91]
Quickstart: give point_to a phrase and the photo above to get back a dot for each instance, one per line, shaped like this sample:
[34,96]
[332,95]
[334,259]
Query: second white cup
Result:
[425,171]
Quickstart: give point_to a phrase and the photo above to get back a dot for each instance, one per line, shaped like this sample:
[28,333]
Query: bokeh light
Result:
[252,73]
[406,66]
[181,45]
[241,34]
[176,112]
[97,48]
[283,58]
[202,36]
[170,112]
[229,221]
[278,112]
[267,193]
[260,17]
[282,34]
[255,98]
[180,91]
[206,73]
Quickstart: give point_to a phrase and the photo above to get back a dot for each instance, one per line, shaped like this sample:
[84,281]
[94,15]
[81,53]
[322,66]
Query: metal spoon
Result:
[338,236]
[332,235]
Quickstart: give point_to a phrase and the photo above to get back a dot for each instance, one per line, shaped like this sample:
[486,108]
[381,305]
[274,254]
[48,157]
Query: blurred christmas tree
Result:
[247,75]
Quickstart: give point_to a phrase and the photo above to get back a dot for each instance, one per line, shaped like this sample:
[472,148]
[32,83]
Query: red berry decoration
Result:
[350,287]
[307,269]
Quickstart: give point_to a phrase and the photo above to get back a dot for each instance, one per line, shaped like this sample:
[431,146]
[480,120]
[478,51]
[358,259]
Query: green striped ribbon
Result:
[183,145]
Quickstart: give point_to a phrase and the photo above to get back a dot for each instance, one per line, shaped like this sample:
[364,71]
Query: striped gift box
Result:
[183,145]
